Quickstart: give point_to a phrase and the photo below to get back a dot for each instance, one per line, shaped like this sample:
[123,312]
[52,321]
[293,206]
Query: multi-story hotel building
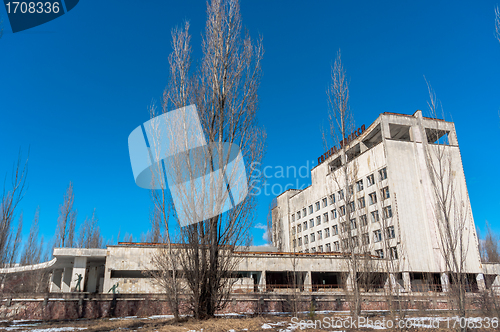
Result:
[391,210]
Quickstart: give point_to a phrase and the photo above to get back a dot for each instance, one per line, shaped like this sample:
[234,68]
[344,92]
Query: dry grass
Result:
[274,323]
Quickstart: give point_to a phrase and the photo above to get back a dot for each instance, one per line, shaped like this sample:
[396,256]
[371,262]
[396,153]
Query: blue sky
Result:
[74,88]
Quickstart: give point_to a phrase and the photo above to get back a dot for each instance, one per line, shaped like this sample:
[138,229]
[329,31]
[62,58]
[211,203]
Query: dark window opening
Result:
[373,138]
[400,132]
[325,280]
[437,136]
[334,165]
[353,152]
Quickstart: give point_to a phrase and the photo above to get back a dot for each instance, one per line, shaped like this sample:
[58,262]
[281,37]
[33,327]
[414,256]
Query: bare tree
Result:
[10,241]
[451,211]
[497,23]
[90,233]
[490,246]
[66,223]
[343,173]
[224,91]
[31,253]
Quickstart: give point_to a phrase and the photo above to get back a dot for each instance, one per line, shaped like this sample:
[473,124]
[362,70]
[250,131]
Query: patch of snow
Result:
[229,314]
[127,317]
[59,329]
[161,316]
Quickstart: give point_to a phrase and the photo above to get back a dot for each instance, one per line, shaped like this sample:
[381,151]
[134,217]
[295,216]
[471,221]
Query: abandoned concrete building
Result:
[392,202]
[391,223]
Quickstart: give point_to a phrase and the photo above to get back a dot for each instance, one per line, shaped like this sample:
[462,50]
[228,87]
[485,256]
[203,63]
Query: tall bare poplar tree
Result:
[10,240]
[224,90]
[343,173]
[32,251]
[451,211]
[90,233]
[490,246]
[66,223]
[497,23]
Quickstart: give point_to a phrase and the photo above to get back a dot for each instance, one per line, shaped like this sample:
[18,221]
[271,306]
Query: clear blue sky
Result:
[74,88]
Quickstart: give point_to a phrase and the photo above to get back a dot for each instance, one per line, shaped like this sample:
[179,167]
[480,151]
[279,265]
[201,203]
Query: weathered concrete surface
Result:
[73,307]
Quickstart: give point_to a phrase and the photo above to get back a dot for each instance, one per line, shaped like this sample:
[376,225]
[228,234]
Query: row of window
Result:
[392,251]
[374,217]
[372,199]
[365,238]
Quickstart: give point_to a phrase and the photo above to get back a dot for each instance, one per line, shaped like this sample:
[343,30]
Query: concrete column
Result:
[407,281]
[480,282]
[56,281]
[362,147]
[496,285]
[445,282]
[308,282]
[106,284]
[79,268]
[349,283]
[262,282]
[386,131]
[66,279]
[92,279]
[392,282]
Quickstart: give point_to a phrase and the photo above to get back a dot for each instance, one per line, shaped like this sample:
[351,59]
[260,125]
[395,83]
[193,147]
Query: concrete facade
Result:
[393,200]
[393,205]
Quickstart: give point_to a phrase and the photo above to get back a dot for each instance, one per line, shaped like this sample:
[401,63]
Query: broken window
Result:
[437,136]
[370,179]
[385,193]
[361,202]
[334,165]
[359,185]
[390,232]
[387,212]
[382,174]
[335,230]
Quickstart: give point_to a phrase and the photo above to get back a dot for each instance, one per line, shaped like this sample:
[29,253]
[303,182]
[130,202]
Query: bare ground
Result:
[232,324]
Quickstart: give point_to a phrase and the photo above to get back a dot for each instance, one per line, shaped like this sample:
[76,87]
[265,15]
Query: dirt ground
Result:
[327,322]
